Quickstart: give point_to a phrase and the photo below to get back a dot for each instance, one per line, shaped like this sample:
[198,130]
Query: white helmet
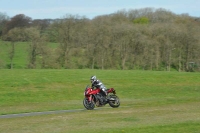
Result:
[93,79]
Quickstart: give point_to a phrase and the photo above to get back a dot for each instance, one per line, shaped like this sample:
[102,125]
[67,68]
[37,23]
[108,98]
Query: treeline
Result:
[148,39]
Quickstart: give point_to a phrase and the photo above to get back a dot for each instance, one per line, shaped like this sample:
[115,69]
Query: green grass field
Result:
[151,101]
[20,57]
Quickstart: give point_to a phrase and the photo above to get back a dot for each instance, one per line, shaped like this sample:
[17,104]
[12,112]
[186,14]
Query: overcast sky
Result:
[43,9]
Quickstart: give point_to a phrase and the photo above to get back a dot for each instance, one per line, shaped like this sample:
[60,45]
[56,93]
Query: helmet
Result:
[93,79]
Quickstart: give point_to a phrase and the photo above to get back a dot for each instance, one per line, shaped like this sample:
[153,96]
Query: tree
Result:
[124,35]
[18,21]
[43,24]
[142,20]
[36,46]
[67,34]
[3,20]
[100,39]
[53,31]
[14,35]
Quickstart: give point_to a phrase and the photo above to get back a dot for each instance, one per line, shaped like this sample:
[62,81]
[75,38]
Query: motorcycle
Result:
[97,97]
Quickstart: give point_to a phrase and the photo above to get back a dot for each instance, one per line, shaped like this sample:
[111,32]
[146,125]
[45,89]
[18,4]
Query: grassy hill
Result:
[150,101]
[20,59]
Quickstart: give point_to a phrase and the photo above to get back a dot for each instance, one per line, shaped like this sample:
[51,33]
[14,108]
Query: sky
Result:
[52,9]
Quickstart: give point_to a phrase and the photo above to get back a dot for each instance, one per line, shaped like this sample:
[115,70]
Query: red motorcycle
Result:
[97,97]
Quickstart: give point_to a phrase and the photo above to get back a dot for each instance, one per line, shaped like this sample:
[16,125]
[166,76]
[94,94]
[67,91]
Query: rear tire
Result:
[114,101]
[88,105]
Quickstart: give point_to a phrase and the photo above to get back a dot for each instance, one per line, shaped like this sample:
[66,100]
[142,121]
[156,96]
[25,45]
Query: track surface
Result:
[50,112]
[39,113]
[46,113]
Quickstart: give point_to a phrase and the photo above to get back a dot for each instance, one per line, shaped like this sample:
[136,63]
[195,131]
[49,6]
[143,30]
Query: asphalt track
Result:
[44,113]
[40,113]
[49,112]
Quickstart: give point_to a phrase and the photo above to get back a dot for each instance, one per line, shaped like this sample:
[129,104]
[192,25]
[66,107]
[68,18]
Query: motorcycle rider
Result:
[98,84]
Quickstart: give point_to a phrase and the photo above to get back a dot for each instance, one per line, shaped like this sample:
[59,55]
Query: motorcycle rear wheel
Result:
[114,101]
[88,105]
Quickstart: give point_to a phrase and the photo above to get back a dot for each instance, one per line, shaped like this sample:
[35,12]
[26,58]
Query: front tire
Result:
[114,101]
[88,105]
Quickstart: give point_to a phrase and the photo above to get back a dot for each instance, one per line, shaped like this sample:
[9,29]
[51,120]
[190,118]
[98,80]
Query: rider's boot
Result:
[105,93]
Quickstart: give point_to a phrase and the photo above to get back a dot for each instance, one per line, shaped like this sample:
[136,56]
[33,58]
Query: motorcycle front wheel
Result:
[88,105]
[114,101]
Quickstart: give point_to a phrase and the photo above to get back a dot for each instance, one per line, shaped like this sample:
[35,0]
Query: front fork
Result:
[89,97]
